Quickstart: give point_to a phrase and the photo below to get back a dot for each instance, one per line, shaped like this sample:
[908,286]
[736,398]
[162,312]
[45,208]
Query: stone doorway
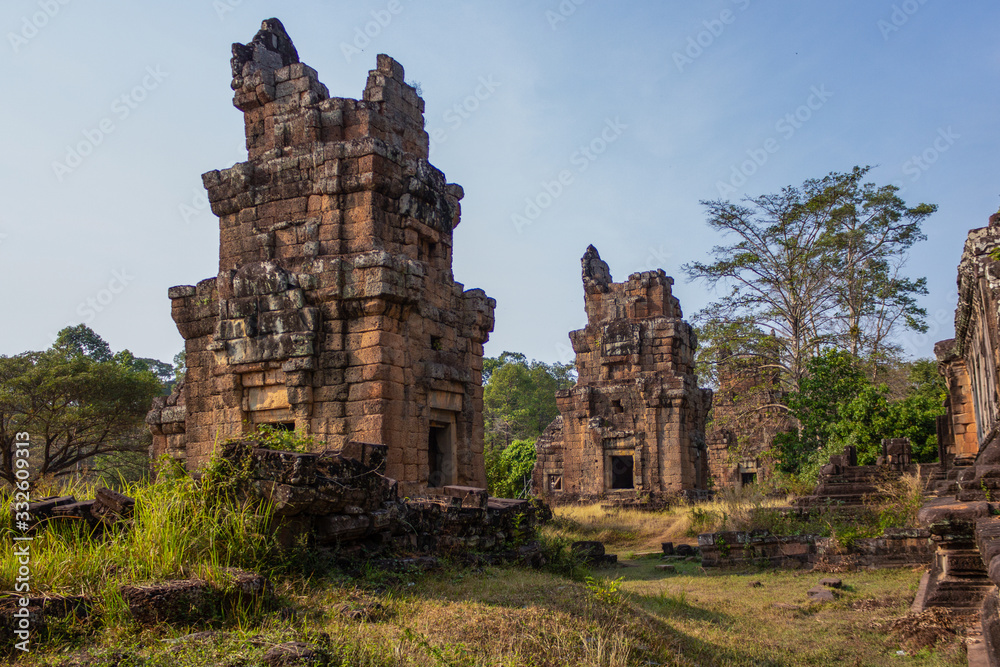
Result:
[622,468]
[440,454]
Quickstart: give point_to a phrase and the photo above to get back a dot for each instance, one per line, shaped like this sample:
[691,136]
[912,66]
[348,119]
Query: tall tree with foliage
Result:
[519,401]
[519,398]
[871,231]
[76,400]
[817,265]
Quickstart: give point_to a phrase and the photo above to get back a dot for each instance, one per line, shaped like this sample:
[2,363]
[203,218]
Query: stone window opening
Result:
[436,343]
[555,482]
[427,250]
[748,478]
[621,472]
[616,405]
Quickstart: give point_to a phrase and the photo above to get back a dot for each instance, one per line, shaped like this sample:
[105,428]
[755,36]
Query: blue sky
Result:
[640,109]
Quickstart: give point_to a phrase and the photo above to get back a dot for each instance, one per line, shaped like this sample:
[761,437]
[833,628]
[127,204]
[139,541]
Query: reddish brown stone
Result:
[634,425]
[334,311]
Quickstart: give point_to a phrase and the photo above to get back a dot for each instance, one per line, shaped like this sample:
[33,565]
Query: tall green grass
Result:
[180,529]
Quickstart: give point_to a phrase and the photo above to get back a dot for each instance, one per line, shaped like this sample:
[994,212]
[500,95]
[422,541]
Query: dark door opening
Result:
[748,478]
[621,472]
[437,442]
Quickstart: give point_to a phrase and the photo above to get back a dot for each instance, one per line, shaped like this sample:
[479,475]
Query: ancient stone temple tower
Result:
[634,424]
[335,311]
[969,362]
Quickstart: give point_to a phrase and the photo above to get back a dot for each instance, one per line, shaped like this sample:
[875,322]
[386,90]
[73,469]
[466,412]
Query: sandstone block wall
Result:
[743,427]
[335,311]
[634,424]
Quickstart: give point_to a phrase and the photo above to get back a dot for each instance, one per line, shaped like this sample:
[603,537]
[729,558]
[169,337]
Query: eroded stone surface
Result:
[334,310]
[634,424]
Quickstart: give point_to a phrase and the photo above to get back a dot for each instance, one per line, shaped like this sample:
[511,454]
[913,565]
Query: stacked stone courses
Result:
[633,427]
[335,311]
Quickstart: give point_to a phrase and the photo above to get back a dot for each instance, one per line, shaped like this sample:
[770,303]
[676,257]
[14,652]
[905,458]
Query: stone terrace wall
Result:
[634,424]
[900,548]
[334,311]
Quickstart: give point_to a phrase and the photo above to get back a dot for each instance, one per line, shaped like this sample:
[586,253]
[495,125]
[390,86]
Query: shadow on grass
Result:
[647,619]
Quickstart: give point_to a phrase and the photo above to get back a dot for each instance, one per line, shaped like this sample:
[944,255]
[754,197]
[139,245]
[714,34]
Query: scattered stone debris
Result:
[668,548]
[831,582]
[293,654]
[367,611]
[592,553]
[632,430]
[669,569]
[40,611]
[686,550]
[108,508]
[755,584]
[194,600]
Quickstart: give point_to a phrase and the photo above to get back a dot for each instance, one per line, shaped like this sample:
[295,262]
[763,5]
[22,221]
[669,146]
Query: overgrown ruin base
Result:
[343,503]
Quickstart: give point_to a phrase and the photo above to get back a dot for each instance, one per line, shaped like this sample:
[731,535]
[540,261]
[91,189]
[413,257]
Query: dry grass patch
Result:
[628,530]
[512,617]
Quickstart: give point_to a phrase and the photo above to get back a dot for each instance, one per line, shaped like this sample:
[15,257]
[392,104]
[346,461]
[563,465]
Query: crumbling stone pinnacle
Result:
[595,269]
[271,48]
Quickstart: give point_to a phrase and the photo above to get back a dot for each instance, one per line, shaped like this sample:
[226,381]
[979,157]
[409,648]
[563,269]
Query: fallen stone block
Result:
[194,601]
[820,594]
[111,506]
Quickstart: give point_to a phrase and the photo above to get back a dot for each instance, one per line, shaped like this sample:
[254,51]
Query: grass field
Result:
[633,615]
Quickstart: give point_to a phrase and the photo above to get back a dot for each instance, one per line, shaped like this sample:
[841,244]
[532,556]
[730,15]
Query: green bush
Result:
[508,469]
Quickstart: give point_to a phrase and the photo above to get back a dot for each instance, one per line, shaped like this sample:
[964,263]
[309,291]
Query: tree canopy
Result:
[819,266]
[838,405]
[519,399]
[76,400]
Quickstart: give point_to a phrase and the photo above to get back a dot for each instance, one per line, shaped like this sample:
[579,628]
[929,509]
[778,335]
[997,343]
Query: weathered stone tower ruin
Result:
[634,424]
[335,311]
[969,361]
[743,425]
[962,522]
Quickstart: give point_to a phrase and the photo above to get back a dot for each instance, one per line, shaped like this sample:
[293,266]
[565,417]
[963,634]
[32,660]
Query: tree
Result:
[839,406]
[83,340]
[833,379]
[508,470]
[818,265]
[871,231]
[75,400]
[519,399]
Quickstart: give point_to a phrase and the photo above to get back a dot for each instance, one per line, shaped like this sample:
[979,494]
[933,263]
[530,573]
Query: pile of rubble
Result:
[342,501]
